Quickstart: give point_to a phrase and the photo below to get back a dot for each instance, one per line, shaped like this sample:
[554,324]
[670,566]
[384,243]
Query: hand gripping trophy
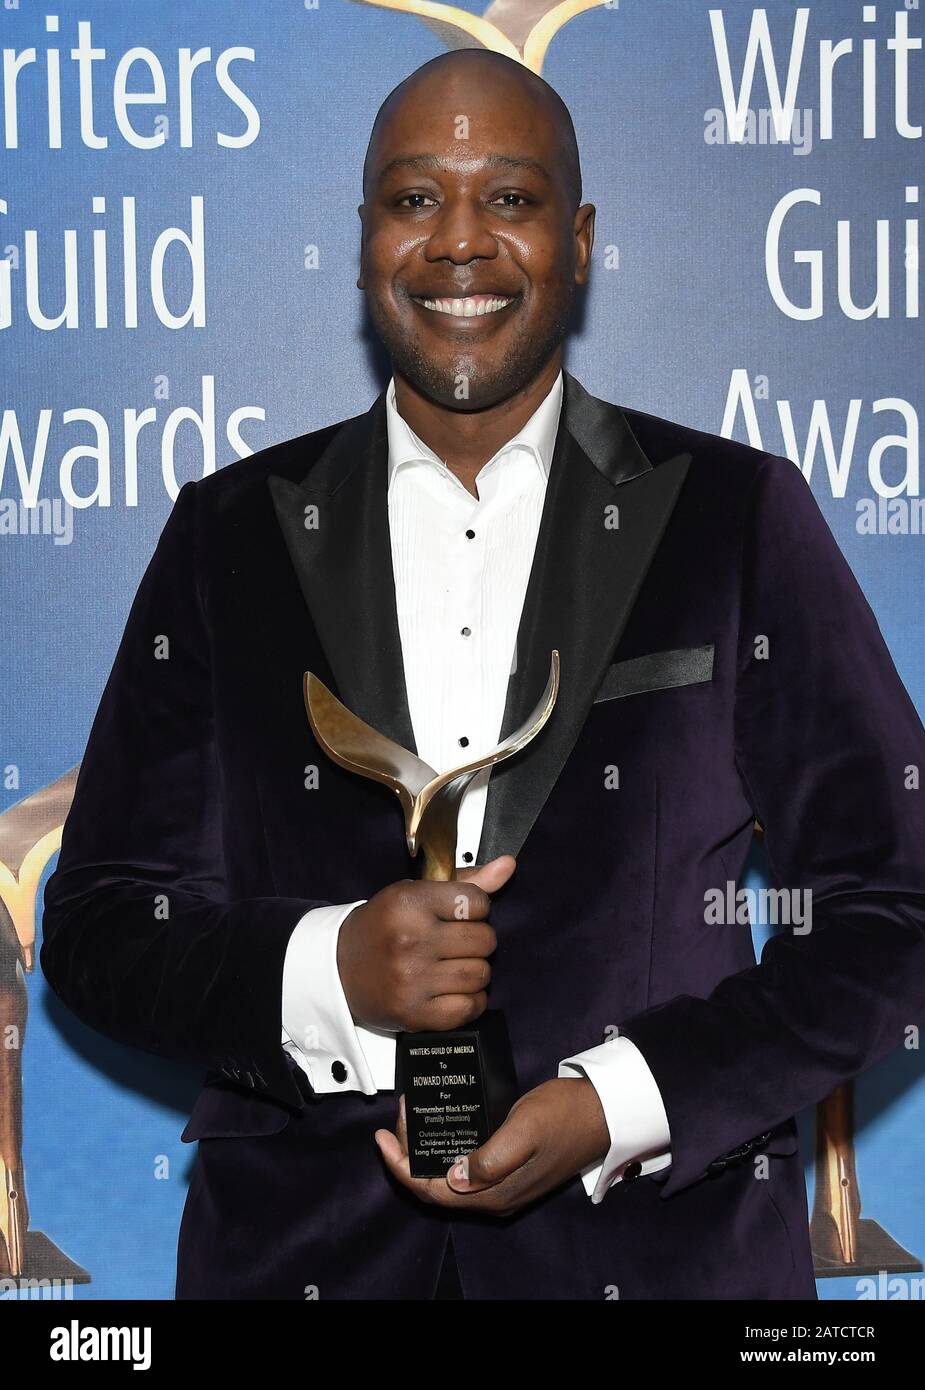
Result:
[460,1085]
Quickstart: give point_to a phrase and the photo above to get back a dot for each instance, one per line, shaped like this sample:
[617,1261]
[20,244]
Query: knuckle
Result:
[466,901]
[479,902]
[405,897]
[490,1171]
[404,940]
[390,897]
[451,900]
[477,1006]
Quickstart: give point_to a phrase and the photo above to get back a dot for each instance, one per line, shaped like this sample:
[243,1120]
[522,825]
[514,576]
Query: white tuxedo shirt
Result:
[461,566]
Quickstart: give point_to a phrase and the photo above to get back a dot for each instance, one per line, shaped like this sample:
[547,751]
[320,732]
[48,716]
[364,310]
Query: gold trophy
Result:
[458,1086]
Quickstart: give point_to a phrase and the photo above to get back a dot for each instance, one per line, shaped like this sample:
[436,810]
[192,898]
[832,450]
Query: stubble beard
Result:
[466,382]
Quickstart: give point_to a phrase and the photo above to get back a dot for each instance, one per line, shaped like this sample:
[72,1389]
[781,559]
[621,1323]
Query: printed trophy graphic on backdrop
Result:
[459,1085]
[843,1241]
[520,29]
[30,833]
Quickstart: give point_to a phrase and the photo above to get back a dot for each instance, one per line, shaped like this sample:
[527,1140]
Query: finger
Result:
[490,876]
[468,896]
[395,1157]
[449,1011]
[438,1191]
[510,1148]
[458,901]
[463,938]
[401,1127]
[463,976]
[391,1147]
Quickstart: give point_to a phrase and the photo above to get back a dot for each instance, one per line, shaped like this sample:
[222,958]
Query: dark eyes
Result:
[523,200]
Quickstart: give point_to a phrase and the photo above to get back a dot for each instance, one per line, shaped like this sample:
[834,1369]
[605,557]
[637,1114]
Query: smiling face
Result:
[472,242]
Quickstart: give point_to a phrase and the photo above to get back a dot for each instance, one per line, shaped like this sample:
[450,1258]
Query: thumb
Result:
[491,876]
[500,1156]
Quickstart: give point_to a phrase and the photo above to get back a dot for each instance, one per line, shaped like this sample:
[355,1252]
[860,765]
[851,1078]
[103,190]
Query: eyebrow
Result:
[424,162]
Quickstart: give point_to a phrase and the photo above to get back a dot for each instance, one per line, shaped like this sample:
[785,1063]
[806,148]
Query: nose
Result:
[459,233]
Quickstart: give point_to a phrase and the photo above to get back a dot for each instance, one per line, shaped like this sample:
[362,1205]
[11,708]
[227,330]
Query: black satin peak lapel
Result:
[585,576]
[343,561]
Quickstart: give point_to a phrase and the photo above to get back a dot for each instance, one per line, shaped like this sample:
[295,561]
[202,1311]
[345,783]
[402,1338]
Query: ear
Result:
[584,236]
[361,209]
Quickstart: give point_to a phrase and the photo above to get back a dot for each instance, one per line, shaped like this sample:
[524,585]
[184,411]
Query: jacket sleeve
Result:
[140,937]
[829,750]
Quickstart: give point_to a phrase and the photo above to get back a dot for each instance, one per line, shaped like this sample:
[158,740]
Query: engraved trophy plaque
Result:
[459,1085]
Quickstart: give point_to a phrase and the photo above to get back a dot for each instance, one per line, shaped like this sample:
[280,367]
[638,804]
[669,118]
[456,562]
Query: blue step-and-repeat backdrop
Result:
[179,249]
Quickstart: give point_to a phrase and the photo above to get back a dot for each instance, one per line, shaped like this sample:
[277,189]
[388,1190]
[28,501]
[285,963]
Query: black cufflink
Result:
[339,1072]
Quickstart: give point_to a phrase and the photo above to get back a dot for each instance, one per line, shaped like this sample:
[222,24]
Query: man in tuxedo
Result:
[228,895]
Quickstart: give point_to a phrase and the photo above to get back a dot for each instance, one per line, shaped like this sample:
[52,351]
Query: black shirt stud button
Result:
[339,1072]
[632,1170]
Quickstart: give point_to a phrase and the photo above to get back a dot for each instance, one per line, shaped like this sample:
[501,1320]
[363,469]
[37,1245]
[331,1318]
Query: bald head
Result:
[448,87]
[474,237]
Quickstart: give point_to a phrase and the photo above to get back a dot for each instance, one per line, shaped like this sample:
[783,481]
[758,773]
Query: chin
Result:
[439,382]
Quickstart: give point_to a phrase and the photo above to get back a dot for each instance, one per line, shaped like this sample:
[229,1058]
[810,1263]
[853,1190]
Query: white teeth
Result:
[465,308]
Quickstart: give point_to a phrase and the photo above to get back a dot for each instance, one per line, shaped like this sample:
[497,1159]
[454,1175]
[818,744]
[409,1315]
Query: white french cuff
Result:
[318,1030]
[633,1109]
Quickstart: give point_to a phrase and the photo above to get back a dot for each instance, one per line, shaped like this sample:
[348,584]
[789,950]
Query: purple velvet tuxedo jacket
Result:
[719,665]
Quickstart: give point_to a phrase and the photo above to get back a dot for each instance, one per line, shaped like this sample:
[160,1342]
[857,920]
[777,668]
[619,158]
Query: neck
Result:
[466,440]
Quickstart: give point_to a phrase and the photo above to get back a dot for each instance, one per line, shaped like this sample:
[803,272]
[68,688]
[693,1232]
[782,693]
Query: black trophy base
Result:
[45,1264]
[876,1251]
[458,1089]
